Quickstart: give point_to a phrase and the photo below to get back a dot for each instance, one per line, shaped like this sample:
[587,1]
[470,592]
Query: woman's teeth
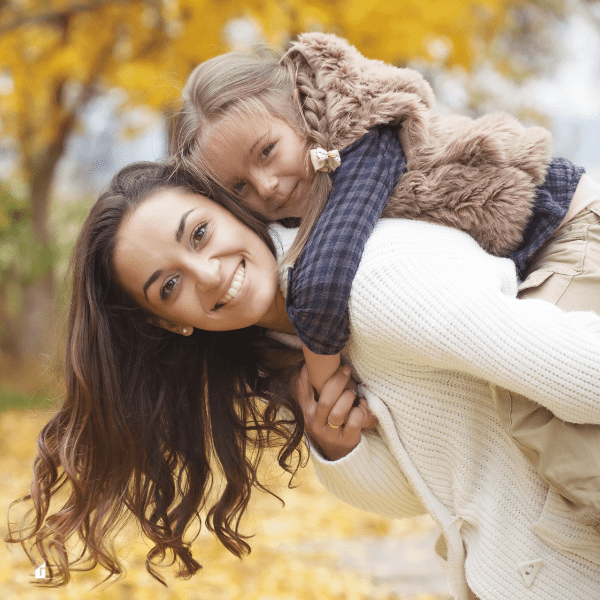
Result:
[236,286]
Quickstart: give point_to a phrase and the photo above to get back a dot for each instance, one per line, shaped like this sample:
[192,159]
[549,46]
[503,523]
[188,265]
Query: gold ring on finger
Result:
[333,426]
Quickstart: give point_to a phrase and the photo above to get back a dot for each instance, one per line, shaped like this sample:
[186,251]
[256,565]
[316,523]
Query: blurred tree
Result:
[57,55]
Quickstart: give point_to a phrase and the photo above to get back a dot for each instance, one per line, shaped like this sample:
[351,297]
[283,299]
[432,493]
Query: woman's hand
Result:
[333,424]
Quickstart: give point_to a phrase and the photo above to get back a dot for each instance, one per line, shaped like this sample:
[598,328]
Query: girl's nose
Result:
[265,184]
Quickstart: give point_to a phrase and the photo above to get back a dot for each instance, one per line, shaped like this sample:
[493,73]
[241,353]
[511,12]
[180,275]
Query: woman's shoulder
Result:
[421,254]
[410,239]
[283,237]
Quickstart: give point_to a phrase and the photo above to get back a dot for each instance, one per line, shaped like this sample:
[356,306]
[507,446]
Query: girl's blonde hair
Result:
[239,86]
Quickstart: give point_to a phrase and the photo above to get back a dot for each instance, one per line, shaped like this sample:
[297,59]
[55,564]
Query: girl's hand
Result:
[333,424]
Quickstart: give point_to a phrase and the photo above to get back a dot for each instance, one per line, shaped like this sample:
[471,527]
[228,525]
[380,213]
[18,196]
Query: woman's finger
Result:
[330,394]
[370,420]
[354,425]
[305,394]
[340,411]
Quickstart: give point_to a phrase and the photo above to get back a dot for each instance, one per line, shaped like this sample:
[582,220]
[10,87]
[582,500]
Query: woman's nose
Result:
[207,274]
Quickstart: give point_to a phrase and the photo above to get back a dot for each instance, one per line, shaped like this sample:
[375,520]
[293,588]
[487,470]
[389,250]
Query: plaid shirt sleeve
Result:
[319,284]
[551,204]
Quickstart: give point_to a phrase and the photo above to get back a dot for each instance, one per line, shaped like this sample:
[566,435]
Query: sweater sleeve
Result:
[383,490]
[320,282]
[449,305]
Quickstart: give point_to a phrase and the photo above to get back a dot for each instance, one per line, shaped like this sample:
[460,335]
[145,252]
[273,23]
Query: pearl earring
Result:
[184,331]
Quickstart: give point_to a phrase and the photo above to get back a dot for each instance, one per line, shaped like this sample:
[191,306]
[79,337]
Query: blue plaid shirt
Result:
[319,283]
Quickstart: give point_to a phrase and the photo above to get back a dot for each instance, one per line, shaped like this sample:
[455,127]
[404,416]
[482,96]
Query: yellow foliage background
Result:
[278,568]
[149,47]
[57,55]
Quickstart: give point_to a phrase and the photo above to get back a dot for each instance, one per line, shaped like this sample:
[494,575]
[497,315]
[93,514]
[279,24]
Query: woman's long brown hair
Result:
[150,418]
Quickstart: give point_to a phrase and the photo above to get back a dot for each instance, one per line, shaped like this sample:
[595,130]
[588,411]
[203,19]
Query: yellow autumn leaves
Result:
[291,557]
[53,50]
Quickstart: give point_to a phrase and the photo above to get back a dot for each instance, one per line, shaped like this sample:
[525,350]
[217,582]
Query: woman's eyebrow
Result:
[181,228]
[150,281]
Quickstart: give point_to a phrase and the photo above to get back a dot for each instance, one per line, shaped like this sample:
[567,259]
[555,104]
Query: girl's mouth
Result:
[235,287]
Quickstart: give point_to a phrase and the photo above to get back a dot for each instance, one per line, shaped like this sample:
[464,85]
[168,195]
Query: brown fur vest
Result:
[478,175]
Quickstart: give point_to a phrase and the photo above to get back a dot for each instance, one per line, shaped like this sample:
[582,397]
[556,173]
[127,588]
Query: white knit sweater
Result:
[433,320]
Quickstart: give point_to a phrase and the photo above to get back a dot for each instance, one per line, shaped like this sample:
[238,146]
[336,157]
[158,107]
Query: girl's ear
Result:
[170,326]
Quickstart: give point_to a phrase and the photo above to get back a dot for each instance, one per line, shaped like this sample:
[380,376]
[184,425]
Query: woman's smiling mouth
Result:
[235,287]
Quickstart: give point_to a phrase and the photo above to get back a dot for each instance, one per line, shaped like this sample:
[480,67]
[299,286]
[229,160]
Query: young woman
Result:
[163,392]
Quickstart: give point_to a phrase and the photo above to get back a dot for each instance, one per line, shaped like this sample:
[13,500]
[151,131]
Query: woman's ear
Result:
[170,326]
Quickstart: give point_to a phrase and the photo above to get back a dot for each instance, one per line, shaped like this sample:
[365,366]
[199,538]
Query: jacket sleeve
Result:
[451,306]
[369,478]
[320,281]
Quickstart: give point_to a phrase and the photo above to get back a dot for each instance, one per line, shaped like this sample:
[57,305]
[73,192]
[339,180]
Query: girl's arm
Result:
[320,367]
[320,281]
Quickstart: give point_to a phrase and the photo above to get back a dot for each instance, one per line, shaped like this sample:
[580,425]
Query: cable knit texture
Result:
[434,319]
[478,175]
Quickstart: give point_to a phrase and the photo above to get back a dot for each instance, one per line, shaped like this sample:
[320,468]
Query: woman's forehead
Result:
[162,212]
[166,199]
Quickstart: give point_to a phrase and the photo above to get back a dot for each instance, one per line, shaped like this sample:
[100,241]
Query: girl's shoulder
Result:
[335,62]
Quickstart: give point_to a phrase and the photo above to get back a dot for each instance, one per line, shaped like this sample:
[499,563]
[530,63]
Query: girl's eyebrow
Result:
[258,141]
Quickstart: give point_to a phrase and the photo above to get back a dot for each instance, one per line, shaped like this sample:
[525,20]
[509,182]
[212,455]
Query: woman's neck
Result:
[276,317]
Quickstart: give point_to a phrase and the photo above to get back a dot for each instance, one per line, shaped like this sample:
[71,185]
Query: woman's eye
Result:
[266,151]
[168,286]
[239,187]
[198,234]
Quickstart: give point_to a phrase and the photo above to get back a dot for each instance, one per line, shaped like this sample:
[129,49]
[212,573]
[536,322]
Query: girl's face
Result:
[266,163]
[191,263]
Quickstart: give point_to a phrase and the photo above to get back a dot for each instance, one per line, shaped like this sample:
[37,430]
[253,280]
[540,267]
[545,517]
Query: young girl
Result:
[375,141]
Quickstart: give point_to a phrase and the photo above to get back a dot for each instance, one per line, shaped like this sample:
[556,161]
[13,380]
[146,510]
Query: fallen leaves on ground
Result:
[283,564]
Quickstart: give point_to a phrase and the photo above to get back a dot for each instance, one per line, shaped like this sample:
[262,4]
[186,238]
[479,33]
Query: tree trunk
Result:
[36,336]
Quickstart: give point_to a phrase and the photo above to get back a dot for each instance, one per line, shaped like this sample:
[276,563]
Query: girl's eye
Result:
[198,234]
[168,287]
[266,151]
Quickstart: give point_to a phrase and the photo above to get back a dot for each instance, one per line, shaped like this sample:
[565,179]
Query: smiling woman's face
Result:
[190,262]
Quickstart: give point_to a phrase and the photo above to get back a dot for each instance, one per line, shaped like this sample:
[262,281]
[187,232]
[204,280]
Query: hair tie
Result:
[325,160]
